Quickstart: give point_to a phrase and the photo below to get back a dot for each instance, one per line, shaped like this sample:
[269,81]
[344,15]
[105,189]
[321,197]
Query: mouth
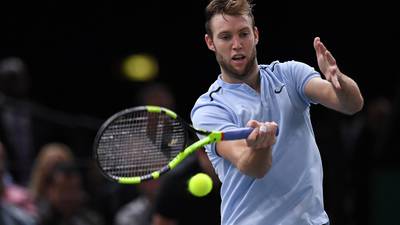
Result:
[238,58]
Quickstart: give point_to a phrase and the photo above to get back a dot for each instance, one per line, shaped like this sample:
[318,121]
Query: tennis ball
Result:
[140,67]
[200,184]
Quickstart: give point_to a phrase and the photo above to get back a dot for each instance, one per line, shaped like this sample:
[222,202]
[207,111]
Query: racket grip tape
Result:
[240,133]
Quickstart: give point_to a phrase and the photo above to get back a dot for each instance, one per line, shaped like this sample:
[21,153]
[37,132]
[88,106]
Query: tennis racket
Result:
[144,142]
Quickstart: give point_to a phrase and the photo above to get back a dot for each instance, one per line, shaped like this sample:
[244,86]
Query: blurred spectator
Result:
[367,140]
[13,193]
[14,77]
[49,155]
[26,126]
[157,94]
[175,205]
[140,210]
[65,199]
[16,126]
[16,207]
[348,163]
[374,127]
[105,196]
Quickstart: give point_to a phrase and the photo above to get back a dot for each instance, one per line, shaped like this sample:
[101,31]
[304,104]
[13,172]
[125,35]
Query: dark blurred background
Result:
[74,51]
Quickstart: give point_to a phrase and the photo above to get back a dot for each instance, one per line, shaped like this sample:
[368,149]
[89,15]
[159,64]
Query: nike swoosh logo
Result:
[277,91]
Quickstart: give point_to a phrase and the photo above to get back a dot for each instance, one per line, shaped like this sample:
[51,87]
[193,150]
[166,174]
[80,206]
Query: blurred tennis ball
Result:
[140,67]
[200,185]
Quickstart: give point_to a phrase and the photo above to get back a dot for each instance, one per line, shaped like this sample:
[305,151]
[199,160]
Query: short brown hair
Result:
[228,7]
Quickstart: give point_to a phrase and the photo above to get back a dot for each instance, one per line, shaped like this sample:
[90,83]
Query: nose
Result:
[236,43]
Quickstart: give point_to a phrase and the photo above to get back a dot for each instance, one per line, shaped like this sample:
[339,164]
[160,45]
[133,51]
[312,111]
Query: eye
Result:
[225,37]
[244,34]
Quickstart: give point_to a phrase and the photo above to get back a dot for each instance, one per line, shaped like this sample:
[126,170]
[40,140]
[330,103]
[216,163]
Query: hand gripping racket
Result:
[144,142]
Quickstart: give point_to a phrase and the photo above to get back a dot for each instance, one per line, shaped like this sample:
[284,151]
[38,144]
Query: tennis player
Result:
[267,179]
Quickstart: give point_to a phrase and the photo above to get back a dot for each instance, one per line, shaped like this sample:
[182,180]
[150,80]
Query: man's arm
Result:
[252,156]
[337,91]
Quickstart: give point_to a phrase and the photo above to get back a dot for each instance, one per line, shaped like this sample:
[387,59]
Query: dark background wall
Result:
[72,48]
[73,51]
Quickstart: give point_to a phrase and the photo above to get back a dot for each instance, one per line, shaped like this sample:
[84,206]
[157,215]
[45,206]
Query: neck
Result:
[255,81]
[252,79]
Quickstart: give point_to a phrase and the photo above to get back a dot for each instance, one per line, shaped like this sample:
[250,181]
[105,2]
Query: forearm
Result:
[349,95]
[252,156]
[255,162]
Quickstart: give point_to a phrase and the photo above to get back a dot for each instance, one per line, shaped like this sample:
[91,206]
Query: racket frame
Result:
[210,137]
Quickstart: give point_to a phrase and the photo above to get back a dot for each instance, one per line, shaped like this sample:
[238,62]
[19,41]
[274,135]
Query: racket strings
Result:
[140,143]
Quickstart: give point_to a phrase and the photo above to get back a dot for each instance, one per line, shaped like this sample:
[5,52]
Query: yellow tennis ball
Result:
[140,67]
[200,184]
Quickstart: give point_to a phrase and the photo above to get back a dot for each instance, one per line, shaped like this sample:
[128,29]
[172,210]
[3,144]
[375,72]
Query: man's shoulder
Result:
[281,65]
[209,98]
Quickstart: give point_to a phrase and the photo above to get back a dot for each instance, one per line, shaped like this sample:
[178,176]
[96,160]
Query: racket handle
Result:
[241,133]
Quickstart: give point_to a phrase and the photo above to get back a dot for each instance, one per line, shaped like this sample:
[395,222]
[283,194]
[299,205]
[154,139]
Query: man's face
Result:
[234,42]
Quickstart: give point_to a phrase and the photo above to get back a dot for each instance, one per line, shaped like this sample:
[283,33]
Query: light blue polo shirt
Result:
[291,192]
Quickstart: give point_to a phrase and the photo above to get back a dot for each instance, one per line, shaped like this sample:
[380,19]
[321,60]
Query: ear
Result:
[209,42]
[256,34]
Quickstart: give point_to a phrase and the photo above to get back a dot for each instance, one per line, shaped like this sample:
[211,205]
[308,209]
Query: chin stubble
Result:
[231,72]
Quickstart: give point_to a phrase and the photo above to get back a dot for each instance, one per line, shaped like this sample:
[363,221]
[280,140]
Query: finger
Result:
[316,41]
[335,82]
[322,46]
[252,138]
[267,138]
[317,47]
[272,128]
[257,137]
[331,60]
[253,123]
[263,129]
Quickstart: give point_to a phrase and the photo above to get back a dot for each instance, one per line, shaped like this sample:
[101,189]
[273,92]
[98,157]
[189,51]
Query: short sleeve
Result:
[297,75]
[212,117]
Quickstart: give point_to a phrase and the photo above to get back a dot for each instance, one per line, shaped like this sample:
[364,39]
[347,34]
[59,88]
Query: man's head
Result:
[228,7]
[231,33]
